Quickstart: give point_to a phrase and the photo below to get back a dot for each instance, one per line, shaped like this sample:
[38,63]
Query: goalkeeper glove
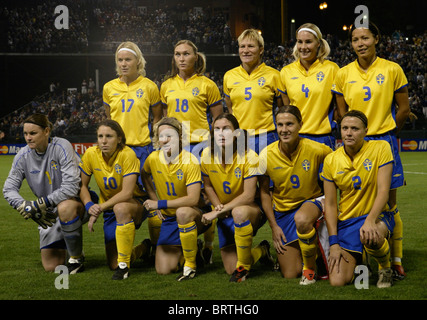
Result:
[38,211]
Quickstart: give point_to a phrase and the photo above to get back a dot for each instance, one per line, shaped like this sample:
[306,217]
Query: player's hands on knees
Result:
[335,256]
[279,239]
[369,233]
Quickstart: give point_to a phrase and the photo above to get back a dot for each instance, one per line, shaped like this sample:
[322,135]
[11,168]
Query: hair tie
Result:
[129,50]
[309,30]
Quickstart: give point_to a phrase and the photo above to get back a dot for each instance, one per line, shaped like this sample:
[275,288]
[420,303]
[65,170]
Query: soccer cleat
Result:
[187,274]
[200,262]
[207,254]
[75,265]
[121,272]
[385,278]
[308,277]
[398,272]
[239,275]
[266,259]
[146,255]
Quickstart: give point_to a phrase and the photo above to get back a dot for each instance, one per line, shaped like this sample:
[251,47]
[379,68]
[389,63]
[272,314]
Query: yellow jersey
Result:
[295,180]
[310,91]
[109,176]
[171,180]
[252,96]
[357,179]
[130,107]
[190,101]
[372,92]
[228,181]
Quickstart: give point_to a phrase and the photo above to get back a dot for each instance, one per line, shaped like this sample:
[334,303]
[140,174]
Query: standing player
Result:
[177,179]
[378,88]
[295,204]
[131,99]
[50,166]
[230,180]
[115,168]
[190,97]
[251,89]
[361,171]
[307,82]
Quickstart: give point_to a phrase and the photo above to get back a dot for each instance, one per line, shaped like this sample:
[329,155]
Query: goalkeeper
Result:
[50,166]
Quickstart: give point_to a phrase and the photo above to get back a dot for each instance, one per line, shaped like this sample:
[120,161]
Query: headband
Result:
[129,50]
[309,30]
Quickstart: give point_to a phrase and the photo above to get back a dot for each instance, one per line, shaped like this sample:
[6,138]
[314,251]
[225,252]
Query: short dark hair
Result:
[357,114]
[371,26]
[114,125]
[39,119]
[290,109]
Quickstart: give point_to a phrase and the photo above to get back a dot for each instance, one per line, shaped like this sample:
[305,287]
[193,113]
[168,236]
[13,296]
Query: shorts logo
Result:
[367,164]
[261,81]
[306,165]
[320,76]
[118,168]
[237,173]
[196,91]
[180,174]
[139,93]
[380,79]
[54,165]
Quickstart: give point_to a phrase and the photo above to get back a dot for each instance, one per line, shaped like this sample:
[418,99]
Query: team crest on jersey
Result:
[54,165]
[367,164]
[320,76]
[261,81]
[306,165]
[237,173]
[196,91]
[380,79]
[118,168]
[139,93]
[180,174]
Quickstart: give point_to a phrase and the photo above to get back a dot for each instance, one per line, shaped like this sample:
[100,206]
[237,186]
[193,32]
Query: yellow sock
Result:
[308,245]
[125,236]
[396,240]
[257,253]
[154,224]
[209,236]
[381,255]
[188,236]
[243,234]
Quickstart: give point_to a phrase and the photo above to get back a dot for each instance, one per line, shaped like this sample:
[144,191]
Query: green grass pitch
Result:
[23,278]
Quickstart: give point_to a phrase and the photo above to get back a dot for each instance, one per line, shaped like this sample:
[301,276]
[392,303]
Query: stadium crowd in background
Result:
[103,22]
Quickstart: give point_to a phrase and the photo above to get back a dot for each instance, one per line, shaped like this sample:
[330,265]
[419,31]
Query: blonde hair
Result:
[199,65]
[324,49]
[252,34]
[141,63]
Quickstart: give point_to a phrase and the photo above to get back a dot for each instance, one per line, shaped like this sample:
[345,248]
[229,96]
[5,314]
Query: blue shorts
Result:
[197,148]
[226,230]
[110,224]
[286,221]
[326,139]
[397,178]
[349,231]
[259,141]
[142,153]
[169,232]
